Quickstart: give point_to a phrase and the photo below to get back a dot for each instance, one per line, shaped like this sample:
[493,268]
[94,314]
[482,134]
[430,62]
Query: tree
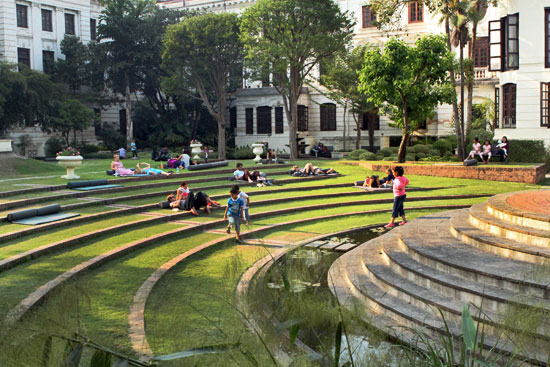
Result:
[123,30]
[340,81]
[203,55]
[73,116]
[409,82]
[289,38]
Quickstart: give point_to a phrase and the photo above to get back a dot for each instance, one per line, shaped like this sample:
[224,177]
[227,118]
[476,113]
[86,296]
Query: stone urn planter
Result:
[70,162]
[196,150]
[257,149]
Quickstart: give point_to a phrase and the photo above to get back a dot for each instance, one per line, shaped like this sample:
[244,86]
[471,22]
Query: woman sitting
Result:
[147,170]
[476,150]
[118,167]
[193,202]
[271,155]
[372,182]
[184,160]
[388,180]
[503,148]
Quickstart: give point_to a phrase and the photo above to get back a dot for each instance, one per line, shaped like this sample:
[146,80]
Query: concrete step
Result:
[463,230]
[408,316]
[480,218]
[384,275]
[429,242]
[494,299]
[499,207]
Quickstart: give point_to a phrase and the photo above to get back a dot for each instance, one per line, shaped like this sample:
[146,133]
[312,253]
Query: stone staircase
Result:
[493,257]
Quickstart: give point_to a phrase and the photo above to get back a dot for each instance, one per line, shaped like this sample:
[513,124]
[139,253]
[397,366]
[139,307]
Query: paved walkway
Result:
[532,201]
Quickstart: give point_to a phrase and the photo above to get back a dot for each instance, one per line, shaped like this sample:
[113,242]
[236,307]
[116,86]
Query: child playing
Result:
[246,200]
[234,213]
[133,148]
[399,184]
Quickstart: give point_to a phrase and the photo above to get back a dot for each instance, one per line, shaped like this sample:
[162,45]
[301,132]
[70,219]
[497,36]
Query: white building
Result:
[31,32]
[521,90]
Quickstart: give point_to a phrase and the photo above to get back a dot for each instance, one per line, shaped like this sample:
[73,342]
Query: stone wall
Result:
[530,175]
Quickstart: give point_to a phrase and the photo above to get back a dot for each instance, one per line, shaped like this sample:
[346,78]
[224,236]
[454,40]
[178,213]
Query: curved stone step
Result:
[379,272]
[423,242]
[463,230]
[499,207]
[480,218]
[493,298]
[405,315]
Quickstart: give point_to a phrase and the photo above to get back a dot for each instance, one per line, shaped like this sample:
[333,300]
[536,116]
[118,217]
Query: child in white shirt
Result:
[246,200]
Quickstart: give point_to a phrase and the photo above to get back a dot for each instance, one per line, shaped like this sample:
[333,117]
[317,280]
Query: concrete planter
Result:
[5,146]
[70,163]
[257,149]
[196,150]
[338,155]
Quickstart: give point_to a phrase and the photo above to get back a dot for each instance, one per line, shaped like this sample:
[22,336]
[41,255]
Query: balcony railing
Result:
[483,73]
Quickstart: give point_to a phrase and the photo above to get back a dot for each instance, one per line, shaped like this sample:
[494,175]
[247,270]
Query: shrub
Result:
[442,146]
[527,151]
[386,152]
[99,155]
[421,148]
[379,157]
[240,153]
[387,159]
[419,156]
[112,138]
[53,146]
[410,157]
[367,156]
[482,134]
[394,150]
[355,154]
[89,148]
[411,149]
[432,152]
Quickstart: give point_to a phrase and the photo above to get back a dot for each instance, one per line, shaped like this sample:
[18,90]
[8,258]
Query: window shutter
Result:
[279,127]
[497,108]
[249,121]
[263,120]
[495,45]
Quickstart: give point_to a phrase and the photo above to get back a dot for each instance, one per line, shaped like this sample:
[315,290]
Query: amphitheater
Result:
[145,281]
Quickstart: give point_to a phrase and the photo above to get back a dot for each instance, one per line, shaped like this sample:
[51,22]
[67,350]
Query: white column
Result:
[59,28]
[35,26]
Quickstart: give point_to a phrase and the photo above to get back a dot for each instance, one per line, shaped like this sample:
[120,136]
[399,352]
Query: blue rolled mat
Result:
[22,214]
[33,221]
[196,167]
[88,188]
[75,184]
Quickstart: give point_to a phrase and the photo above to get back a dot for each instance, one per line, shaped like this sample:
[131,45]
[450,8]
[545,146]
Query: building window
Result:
[416,12]
[249,118]
[496,122]
[302,118]
[370,118]
[93,27]
[509,106]
[122,122]
[24,56]
[504,43]
[369,17]
[328,117]
[22,20]
[279,121]
[263,120]
[547,37]
[233,117]
[69,24]
[544,108]
[47,25]
[48,60]
[481,53]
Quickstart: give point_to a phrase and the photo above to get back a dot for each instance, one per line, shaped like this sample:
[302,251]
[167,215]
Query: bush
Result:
[240,153]
[388,159]
[89,148]
[53,146]
[439,159]
[482,134]
[421,148]
[367,156]
[411,149]
[394,150]
[112,138]
[419,156]
[355,154]
[99,155]
[432,152]
[379,157]
[527,151]
[442,146]
[386,152]
[410,157]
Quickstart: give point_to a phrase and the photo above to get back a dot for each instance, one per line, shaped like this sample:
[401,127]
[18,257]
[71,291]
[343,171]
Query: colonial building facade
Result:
[511,61]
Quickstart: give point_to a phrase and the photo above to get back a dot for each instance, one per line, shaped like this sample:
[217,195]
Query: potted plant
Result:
[258,149]
[70,159]
[196,149]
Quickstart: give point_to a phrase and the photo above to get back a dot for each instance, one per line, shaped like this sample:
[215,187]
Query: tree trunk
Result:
[292,123]
[462,105]
[358,129]
[458,131]
[344,134]
[405,139]
[222,106]
[469,110]
[371,135]
[128,106]
[221,138]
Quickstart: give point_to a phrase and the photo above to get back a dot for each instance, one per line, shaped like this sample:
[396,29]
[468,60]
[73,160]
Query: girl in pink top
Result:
[487,148]
[399,184]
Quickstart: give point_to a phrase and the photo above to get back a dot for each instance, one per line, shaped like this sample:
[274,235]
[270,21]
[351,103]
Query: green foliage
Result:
[368,156]
[111,138]
[72,116]
[410,157]
[240,153]
[53,146]
[386,152]
[355,154]
[419,156]
[289,38]
[409,81]
[420,148]
[528,151]
[89,148]
[442,146]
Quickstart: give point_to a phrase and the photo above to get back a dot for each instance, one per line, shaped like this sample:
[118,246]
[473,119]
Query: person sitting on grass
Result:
[239,172]
[487,149]
[118,167]
[246,200]
[271,155]
[147,170]
[386,181]
[193,202]
[234,213]
[164,154]
[372,182]
[476,150]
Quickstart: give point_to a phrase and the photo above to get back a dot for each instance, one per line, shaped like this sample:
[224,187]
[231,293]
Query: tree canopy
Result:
[408,81]
[203,56]
[72,116]
[289,38]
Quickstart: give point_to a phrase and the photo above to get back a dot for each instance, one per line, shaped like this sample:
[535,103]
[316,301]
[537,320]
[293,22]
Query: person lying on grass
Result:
[372,182]
[310,169]
[399,184]
[246,200]
[118,167]
[147,170]
[234,213]
[193,202]
[387,181]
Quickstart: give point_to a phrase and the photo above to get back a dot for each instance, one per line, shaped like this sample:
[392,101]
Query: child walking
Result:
[234,213]
[133,148]
[399,184]
[246,200]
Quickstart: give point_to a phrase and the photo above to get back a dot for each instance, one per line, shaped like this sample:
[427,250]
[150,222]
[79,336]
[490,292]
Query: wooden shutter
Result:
[249,116]
[509,111]
[496,121]
[512,42]
[495,45]
[328,117]
[279,126]
[233,118]
[302,118]
[263,120]
[544,108]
